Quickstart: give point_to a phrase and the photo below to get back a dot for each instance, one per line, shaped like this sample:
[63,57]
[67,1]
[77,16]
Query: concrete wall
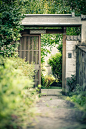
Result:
[83,32]
[71,43]
[71,58]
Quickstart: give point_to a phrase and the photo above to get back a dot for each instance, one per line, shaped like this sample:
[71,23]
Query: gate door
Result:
[30,48]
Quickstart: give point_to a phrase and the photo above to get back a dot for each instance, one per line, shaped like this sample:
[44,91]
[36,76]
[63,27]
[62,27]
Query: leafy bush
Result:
[10,17]
[48,41]
[17,97]
[78,95]
[27,69]
[46,81]
[42,80]
[60,47]
[56,64]
[71,83]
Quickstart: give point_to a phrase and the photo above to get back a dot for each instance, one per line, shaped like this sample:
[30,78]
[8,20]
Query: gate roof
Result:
[58,20]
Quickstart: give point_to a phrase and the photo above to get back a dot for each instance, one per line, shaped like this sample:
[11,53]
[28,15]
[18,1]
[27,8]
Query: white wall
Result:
[53,52]
[71,62]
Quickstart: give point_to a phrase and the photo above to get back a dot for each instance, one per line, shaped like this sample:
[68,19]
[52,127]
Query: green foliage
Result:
[49,41]
[27,69]
[53,6]
[60,47]
[10,17]
[73,30]
[46,81]
[43,6]
[78,6]
[80,99]
[17,97]
[42,80]
[44,52]
[56,64]
[71,82]
[78,95]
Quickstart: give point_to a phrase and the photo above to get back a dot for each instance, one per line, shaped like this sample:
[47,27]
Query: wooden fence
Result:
[81,65]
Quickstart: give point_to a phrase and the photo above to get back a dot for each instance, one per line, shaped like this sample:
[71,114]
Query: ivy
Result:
[10,17]
[53,6]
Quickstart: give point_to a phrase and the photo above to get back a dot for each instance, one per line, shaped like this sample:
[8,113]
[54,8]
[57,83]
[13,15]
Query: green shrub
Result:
[56,64]
[78,95]
[17,96]
[71,83]
[79,99]
[27,69]
[42,80]
[46,81]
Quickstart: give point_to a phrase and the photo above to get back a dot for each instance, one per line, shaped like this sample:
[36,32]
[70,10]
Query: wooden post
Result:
[64,62]
[40,62]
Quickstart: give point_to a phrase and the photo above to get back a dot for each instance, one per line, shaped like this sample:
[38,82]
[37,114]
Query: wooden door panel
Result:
[30,50]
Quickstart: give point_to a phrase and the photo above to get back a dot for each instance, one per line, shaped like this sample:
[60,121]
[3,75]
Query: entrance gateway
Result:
[30,43]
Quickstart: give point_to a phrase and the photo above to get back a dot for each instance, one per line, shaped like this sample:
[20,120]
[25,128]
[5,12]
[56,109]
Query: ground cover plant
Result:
[77,93]
[78,96]
[71,83]
[17,97]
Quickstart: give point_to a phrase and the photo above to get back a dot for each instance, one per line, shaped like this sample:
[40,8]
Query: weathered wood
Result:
[64,62]
[24,46]
[21,47]
[81,66]
[30,48]
[54,31]
[39,62]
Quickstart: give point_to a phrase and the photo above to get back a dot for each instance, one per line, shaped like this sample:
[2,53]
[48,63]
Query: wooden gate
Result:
[30,48]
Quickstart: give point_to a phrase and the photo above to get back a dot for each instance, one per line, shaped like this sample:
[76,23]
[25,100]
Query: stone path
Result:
[56,113]
[51,92]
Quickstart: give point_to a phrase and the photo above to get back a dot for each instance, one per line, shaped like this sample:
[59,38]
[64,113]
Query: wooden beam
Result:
[64,62]
[47,31]
[53,25]
[54,31]
[40,62]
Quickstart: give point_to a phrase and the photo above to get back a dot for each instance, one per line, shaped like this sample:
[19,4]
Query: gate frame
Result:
[59,20]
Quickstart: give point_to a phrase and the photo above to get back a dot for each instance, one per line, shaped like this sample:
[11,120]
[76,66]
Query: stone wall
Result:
[81,65]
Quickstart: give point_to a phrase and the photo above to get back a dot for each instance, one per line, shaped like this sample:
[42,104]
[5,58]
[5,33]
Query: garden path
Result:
[57,113]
